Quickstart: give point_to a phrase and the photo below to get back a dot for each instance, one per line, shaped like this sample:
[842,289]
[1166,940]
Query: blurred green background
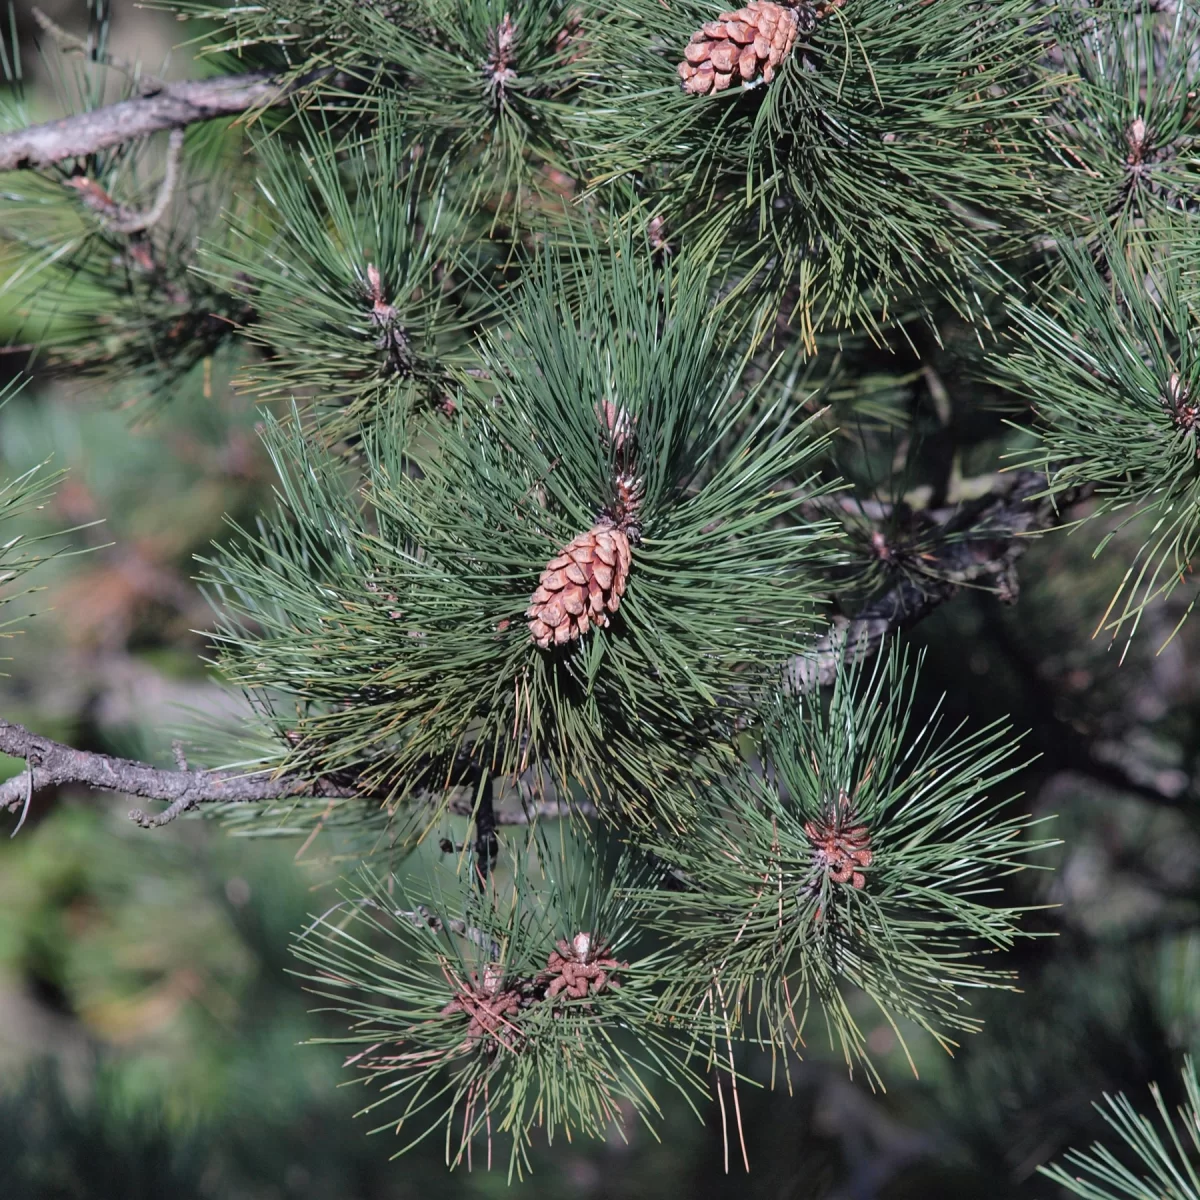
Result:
[152,1042]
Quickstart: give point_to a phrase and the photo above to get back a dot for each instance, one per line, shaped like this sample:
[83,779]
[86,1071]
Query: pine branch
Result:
[472,1032]
[53,764]
[174,106]
[984,540]
[863,852]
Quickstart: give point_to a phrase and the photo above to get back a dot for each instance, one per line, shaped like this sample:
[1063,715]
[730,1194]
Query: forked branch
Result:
[981,542]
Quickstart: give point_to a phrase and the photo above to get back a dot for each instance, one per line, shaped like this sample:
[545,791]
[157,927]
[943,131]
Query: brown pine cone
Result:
[841,846]
[580,586]
[737,46]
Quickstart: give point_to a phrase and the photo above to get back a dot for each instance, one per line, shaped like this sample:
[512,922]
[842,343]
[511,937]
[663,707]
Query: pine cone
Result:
[841,846]
[580,587]
[737,46]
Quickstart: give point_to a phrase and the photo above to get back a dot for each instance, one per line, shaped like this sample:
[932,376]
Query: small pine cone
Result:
[737,46]
[580,587]
[841,846]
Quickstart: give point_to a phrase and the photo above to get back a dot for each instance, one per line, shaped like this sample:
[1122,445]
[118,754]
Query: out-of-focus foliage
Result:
[20,496]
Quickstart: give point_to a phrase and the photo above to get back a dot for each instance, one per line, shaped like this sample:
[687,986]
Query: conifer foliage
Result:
[855,856]
[596,516]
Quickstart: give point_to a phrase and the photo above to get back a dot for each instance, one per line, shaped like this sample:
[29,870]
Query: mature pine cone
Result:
[738,46]
[580,586]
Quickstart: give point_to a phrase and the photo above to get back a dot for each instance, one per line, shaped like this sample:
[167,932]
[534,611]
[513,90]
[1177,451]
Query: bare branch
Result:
[136,222]
[157,820]
[52,764]
[173,106]
[984,540]
[863,636]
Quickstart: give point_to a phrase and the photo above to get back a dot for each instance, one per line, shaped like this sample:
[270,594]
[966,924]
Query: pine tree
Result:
[621,369]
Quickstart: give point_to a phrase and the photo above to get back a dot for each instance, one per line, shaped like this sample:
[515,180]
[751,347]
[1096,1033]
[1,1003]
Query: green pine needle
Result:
[453,998]
[387,633]
[882,161]
[907,911]
[1108,360]
[1168,1162]
[350,267]
[1125,124]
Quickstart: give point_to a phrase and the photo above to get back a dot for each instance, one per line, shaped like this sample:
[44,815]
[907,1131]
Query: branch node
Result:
[177,808]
